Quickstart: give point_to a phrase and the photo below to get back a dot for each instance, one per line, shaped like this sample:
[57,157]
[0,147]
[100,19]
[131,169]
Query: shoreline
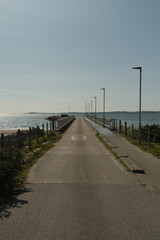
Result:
[11,130]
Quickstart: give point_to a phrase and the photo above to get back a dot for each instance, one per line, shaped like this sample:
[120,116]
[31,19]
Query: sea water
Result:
[133,117]
[24,121]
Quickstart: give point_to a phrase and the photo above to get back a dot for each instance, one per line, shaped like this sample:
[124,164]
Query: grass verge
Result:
[15,178]
[153,148]
[38,150]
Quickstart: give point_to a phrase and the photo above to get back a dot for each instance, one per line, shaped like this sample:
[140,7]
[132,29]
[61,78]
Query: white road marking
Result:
[78,137]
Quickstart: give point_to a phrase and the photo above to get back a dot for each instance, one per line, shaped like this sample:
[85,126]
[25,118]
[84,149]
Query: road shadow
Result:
[13,201]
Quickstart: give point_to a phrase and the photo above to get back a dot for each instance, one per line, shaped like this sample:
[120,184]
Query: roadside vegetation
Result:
[150,138]
[17,159]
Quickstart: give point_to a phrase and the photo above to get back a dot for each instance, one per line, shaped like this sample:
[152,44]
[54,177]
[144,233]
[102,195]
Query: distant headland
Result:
[93,111]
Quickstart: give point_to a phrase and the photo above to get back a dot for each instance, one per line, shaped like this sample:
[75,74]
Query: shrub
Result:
[10,164]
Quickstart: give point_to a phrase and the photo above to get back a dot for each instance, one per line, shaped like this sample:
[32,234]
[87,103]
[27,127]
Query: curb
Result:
[125,160]
[133,168]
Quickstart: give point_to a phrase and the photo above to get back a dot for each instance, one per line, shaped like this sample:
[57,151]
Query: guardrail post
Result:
[2,140]
[52,125]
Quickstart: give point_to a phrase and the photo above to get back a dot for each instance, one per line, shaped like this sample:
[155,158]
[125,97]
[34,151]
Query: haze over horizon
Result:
[57,54]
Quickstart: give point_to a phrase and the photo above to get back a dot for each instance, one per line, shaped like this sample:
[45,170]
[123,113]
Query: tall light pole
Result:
[140,90]
[85,110]
[103,106]
[95,107]
[91,110]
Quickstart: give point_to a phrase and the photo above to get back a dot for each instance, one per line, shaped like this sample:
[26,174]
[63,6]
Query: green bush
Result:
[10,164]
[153,131]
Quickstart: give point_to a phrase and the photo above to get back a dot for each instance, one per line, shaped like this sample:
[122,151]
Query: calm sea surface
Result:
[133,117]
[15,121]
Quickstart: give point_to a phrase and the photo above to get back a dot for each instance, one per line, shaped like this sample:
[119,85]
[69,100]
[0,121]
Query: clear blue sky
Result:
[57,54]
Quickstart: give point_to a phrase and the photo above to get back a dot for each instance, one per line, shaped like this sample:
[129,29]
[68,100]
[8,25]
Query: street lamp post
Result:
[85,110]
[103,106]
[91,110]
[140,90]
[95,107]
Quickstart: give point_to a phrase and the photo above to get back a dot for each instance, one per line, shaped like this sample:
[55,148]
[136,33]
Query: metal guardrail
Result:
[109,123]
[61,123]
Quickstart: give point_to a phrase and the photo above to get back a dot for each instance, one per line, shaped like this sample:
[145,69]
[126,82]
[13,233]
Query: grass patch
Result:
[153,149]
[114,153]
[32,157]
[15,164]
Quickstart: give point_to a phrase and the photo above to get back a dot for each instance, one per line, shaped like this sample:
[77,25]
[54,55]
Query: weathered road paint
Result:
[79,137]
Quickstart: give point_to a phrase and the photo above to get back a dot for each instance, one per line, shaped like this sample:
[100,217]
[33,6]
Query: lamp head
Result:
[139,68]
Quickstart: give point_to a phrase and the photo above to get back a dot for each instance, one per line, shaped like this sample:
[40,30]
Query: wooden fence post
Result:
[116,125]
[132,130]
[120,127]
[43,130]
[2,140]
[149,142]
[125,128]
[19,138]
[30,138]
[37,134]
[47,129]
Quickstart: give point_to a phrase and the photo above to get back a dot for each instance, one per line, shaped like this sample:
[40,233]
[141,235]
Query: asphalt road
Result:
[78,191]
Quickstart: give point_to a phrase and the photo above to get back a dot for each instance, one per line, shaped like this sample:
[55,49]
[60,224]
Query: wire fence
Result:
[11,157]
[149,133]
[16,149]
[23,137]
